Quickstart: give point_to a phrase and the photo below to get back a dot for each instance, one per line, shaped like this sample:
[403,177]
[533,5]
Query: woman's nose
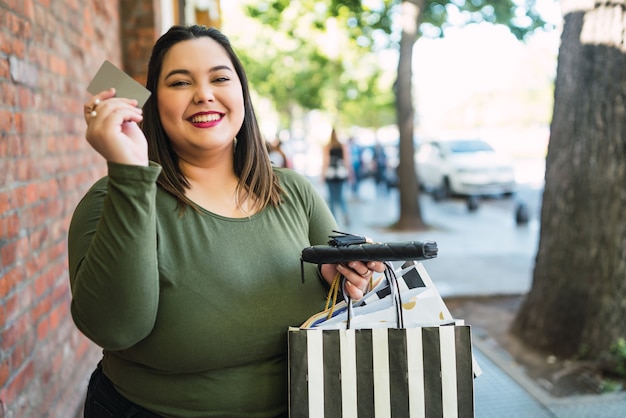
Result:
[204,93]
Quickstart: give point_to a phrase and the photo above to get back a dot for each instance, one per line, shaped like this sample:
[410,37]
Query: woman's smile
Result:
[206,119]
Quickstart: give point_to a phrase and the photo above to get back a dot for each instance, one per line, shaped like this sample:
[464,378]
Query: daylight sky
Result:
[466,61]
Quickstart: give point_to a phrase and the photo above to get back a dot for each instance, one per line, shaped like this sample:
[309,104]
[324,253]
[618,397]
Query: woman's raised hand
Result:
[113,130]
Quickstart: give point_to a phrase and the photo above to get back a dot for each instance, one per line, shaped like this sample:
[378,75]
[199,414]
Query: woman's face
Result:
[200,99]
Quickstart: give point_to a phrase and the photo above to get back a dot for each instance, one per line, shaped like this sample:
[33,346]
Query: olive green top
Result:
[192,311]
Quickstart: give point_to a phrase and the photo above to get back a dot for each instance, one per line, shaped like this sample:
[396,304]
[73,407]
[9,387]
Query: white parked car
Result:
[464,167]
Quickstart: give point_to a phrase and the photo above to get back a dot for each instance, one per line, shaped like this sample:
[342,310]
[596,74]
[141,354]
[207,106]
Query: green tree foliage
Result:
[375,25]
[298,60]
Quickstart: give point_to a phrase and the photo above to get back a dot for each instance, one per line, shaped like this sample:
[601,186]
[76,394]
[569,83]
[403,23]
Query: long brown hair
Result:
[333,141]
[251,161]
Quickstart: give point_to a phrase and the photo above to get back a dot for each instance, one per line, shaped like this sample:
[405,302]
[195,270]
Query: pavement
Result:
[482,253]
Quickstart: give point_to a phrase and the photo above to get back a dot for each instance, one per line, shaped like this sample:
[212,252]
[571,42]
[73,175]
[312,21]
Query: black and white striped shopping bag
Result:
[385,372]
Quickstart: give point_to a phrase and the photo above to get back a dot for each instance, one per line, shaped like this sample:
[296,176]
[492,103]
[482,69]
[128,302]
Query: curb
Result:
[496,354]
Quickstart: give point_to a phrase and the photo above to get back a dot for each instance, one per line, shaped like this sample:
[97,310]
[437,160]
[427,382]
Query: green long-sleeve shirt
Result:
[192,311]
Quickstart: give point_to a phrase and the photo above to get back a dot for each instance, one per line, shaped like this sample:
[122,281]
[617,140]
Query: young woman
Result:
[185,259]
[336,172]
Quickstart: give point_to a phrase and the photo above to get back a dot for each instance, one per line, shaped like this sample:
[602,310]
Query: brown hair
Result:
[251,161]
[334,139]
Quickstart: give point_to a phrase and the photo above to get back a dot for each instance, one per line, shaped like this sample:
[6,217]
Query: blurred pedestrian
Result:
[336,172]
[278,157]
[380,168]
[355,153]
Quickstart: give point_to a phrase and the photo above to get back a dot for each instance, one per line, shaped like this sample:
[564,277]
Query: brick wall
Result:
[49,50]
[141,24]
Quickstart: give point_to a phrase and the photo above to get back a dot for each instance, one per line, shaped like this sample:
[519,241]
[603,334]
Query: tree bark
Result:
[410,212]
[577,303]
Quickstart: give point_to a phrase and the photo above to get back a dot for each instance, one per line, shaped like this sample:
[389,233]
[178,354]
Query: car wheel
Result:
[439,194]
[472,203]
[522,215]
[443,191]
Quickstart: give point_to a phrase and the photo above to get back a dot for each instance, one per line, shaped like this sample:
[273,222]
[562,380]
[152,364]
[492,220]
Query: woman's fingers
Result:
[112,128]
[91,106]
[358,276]
[99,104]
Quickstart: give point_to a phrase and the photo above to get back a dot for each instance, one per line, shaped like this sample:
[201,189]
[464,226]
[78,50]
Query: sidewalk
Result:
[481,253]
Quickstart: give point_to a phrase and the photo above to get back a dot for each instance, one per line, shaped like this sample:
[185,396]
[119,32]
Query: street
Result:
[481,252]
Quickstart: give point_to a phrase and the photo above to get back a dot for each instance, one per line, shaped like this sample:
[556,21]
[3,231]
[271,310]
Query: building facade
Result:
[49,50]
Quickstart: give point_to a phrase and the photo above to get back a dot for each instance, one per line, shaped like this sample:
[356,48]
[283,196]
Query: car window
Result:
[469,146]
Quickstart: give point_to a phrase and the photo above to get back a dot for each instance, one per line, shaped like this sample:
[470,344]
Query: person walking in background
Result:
[277,154]
[355,153]
[336,172]
[380,168]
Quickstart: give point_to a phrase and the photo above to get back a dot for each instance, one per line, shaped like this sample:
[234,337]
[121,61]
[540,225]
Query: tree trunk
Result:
[410,213]
[577,303]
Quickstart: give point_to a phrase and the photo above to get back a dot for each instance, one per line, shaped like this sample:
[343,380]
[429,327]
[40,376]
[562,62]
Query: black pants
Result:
[104,401]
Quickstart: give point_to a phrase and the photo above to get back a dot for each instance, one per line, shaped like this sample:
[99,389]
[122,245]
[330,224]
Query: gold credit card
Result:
[125,86]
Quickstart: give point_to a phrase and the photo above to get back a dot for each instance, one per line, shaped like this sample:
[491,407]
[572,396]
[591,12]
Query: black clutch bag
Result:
[343,248]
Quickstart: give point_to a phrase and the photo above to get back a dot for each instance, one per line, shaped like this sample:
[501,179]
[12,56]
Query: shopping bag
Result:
[382,372]
[397,352]
[421,304]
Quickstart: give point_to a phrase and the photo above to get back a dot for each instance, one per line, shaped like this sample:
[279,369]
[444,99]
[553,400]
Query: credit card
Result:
[125,86]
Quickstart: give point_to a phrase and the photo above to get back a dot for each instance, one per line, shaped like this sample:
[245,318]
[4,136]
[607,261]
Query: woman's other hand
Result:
[358,275]
[113,130]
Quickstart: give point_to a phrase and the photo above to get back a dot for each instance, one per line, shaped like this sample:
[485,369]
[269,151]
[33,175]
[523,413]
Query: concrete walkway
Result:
[482,253]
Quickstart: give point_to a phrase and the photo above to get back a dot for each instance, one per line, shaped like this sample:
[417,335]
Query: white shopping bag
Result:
[421,304]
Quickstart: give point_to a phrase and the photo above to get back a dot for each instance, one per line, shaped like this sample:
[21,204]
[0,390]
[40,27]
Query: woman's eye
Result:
[220,79]
[179,83]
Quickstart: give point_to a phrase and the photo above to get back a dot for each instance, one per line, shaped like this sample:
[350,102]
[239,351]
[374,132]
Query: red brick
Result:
[9,226]
[84,346]
[49,189]
[18,198]
[62,292]
[58,65]
[20,381]
[6,120]
[18,48]
[4,371]
[31,191]
[56,315]
[41,287]
[8,282]
[8,95]
[3,320]
[8,253]
[21,352]
[24,170]
[43,307]
[29,9]
[15,329]
[5,46]
[13,145]
[42,329]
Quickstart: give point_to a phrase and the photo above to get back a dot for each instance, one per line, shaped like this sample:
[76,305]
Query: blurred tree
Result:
[399,23]
[315,66]
[577,303]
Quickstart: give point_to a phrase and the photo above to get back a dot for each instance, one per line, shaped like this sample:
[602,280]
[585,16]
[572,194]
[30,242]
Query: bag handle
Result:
[396,298]
[344,247]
